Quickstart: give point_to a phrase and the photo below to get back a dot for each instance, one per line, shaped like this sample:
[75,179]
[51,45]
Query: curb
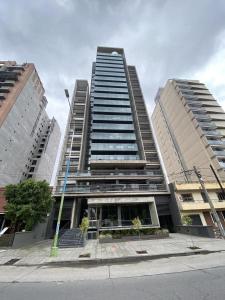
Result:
[128,259]
[113,261]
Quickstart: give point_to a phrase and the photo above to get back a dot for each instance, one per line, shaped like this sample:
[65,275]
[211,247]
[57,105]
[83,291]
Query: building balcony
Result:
[110,69]
[131,162]
[9,75]
[222,164]
[212,133]
[115,103]
[2,96]
[113,136]
[191,97]
[113,147]
[7,83]
[153,174]
[110,95]
[203,117]
[198,111]
[112,118]
[197,205]
[114,127]
[110,84]
[210,125]
[112,109]
[194,103]
[110,74]
[216,143]
[112,188]
[109,61]
[4,89]
[109,64]
[219,153]
[101,77]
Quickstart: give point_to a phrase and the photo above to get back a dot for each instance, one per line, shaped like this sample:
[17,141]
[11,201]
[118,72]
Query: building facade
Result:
[190,128]
[115,173]
[29,139]
[189,200]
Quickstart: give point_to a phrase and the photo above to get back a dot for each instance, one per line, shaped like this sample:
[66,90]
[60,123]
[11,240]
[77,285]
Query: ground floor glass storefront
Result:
[120,215]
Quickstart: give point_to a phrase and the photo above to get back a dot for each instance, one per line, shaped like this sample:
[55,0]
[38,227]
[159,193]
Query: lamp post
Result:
[54,248]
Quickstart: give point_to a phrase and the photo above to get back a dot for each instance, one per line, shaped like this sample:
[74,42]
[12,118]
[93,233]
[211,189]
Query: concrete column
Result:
[119,215]
[153,213]
[73,214]
[100,216]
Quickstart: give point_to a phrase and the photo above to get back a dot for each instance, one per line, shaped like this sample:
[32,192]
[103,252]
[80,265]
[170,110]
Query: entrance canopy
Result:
[117,200]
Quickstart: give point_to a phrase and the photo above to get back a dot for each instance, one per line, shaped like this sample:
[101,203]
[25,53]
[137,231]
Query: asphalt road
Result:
[199,284]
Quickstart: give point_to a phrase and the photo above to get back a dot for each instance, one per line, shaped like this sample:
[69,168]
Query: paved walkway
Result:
[175,245]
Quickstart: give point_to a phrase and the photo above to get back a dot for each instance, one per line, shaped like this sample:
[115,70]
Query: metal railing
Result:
[212,132]
[219,153]
[110,223]
[119,173]
[112,188]
[216,142]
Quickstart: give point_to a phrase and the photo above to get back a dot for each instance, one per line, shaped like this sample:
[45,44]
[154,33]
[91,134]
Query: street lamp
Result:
[54,248]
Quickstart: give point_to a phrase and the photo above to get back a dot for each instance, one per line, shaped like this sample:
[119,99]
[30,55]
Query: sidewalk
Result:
[109,253]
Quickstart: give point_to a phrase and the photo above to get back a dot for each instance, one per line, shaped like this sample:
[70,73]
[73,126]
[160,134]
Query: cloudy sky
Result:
[162,38]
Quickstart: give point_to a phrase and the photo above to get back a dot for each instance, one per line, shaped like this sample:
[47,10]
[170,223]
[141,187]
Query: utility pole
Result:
[54,248]
[214,213]
[218,180]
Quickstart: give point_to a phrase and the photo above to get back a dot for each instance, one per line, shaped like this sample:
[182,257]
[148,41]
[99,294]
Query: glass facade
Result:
[111,111]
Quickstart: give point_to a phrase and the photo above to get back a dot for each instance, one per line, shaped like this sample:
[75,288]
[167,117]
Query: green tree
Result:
[186,220]
[137,225]
[28,203]
[84,225]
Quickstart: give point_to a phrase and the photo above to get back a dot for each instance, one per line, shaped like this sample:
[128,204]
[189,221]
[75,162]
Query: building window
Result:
[187,197]
[196,219]
[221,196]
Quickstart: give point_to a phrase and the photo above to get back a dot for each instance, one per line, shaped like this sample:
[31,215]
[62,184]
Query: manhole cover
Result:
[12,261]
[142,252]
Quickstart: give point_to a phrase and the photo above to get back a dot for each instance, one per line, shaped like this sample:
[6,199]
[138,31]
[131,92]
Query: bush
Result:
[186,220]
[105,235]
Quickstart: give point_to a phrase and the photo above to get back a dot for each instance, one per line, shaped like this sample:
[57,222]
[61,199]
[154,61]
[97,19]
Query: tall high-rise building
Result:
[115,173]
[190,128]
[29,139]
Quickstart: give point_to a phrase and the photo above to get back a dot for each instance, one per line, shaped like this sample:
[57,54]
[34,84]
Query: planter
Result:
[6,240]
[134,238]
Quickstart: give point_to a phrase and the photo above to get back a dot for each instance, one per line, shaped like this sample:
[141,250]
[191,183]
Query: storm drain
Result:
[11,261]
[142,252]
[84,255]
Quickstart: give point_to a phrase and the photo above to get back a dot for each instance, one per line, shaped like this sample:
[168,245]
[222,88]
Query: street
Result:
[199,284]
[189,277]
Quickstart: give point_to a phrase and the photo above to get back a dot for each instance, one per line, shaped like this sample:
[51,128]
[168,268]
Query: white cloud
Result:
[213,73]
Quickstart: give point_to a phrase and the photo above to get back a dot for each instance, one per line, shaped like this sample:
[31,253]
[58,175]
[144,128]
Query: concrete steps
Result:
[71,238]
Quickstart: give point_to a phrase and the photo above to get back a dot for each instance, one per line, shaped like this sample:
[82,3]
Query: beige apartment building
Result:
[190,129]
